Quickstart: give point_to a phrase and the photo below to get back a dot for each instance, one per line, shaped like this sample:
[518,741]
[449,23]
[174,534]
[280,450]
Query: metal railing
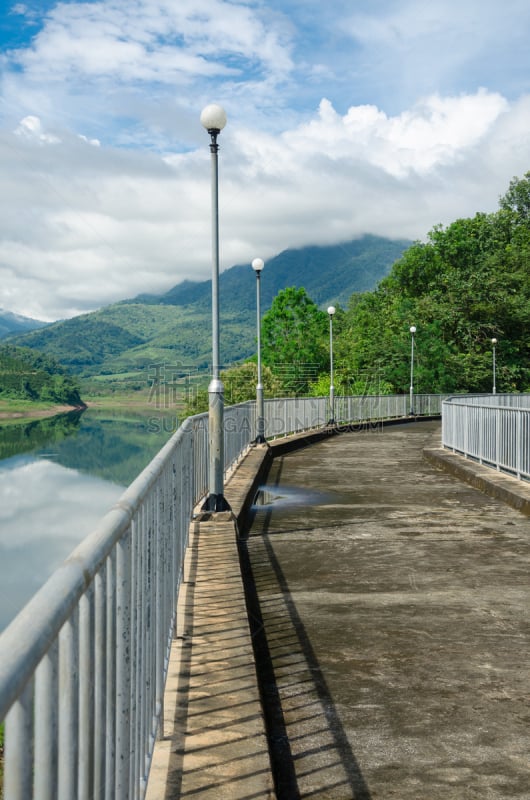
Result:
[83,666]
[295,414]
[491,429]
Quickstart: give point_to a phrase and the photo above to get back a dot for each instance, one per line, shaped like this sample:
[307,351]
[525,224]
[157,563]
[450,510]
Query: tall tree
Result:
[295,340]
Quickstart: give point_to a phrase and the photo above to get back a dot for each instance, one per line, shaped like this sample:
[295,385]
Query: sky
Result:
[344,117]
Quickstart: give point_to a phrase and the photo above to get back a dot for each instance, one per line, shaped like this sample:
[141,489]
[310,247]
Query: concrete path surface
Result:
[392,625]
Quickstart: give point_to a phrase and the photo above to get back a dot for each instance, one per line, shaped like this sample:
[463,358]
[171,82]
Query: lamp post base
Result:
[216,502]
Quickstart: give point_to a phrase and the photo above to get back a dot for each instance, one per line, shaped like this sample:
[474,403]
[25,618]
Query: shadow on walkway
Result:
[317,761]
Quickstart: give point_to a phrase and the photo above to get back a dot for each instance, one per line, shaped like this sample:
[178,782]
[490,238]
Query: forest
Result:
[29,375]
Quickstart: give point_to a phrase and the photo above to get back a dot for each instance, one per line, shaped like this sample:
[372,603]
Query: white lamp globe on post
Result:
[213,118]
[411,403]
[257,266]
[493,343]
[331,311]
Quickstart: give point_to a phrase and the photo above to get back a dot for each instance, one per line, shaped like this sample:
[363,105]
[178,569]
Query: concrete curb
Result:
[216,744]
[498,485]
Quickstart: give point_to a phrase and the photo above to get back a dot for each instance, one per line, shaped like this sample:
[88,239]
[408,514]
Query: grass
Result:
[119,399]
[13,411]
[15,405]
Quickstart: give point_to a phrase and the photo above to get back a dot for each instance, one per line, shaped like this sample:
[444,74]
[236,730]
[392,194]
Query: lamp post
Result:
[493,343]
[257,266]
[412,332]
[331,311]
[213,118]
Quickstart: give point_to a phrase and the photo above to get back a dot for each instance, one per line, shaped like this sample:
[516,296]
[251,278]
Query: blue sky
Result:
[344,118]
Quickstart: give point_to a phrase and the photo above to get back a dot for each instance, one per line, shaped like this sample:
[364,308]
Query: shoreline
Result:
[37,413]
[12,410]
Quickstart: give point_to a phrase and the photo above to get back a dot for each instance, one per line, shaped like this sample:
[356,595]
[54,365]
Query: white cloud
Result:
[154,40]
[31,127]
[435,132]
[105,167]
[91,225]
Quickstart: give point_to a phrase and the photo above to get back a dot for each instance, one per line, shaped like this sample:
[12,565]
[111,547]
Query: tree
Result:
[468,283]
[240,385]
[294,340]
[517,198]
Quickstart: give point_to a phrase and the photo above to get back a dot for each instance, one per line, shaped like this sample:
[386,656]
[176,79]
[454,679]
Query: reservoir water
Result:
[58,477]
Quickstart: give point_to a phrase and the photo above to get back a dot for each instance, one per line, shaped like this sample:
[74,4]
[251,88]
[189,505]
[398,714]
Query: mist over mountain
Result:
[16,323]
[175,327]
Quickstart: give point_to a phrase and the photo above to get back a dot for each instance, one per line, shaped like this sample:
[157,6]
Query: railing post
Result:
[86,707]
[123,660]
[100,688]
[19,738]
[68,709]
[46,725]
[110,679]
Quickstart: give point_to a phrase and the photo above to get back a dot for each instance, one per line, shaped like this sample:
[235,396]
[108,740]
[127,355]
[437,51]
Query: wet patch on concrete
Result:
[290,496]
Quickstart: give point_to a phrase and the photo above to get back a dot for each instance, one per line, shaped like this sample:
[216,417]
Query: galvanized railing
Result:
[491,429]
[294,414]
[83,666]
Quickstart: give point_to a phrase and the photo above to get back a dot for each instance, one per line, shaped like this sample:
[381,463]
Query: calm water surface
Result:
[58,477]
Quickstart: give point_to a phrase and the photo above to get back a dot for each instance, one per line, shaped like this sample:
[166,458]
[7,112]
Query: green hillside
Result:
[27,375]
[175,328]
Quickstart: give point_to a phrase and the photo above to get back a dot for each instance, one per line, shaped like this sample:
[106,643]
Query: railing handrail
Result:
[506,399]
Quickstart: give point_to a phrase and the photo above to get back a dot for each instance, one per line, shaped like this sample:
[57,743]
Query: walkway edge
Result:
[497,485]
[215,744]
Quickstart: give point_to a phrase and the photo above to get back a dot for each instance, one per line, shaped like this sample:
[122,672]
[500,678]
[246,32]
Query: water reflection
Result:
[29,436]
[58,477]
[45,511]
[114,445]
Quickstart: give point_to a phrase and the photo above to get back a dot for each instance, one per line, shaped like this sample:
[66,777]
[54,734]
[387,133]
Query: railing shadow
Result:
[175,768]
[217,747]
[311,755]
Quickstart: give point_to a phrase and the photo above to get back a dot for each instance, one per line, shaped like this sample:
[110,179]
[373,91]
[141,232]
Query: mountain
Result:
[15,323]
[329,274]
[174,328]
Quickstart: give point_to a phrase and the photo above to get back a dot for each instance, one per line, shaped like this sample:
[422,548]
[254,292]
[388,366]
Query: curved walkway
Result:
[388,606]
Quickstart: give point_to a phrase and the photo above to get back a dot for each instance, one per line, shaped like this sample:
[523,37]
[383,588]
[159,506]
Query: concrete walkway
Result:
[386,654]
